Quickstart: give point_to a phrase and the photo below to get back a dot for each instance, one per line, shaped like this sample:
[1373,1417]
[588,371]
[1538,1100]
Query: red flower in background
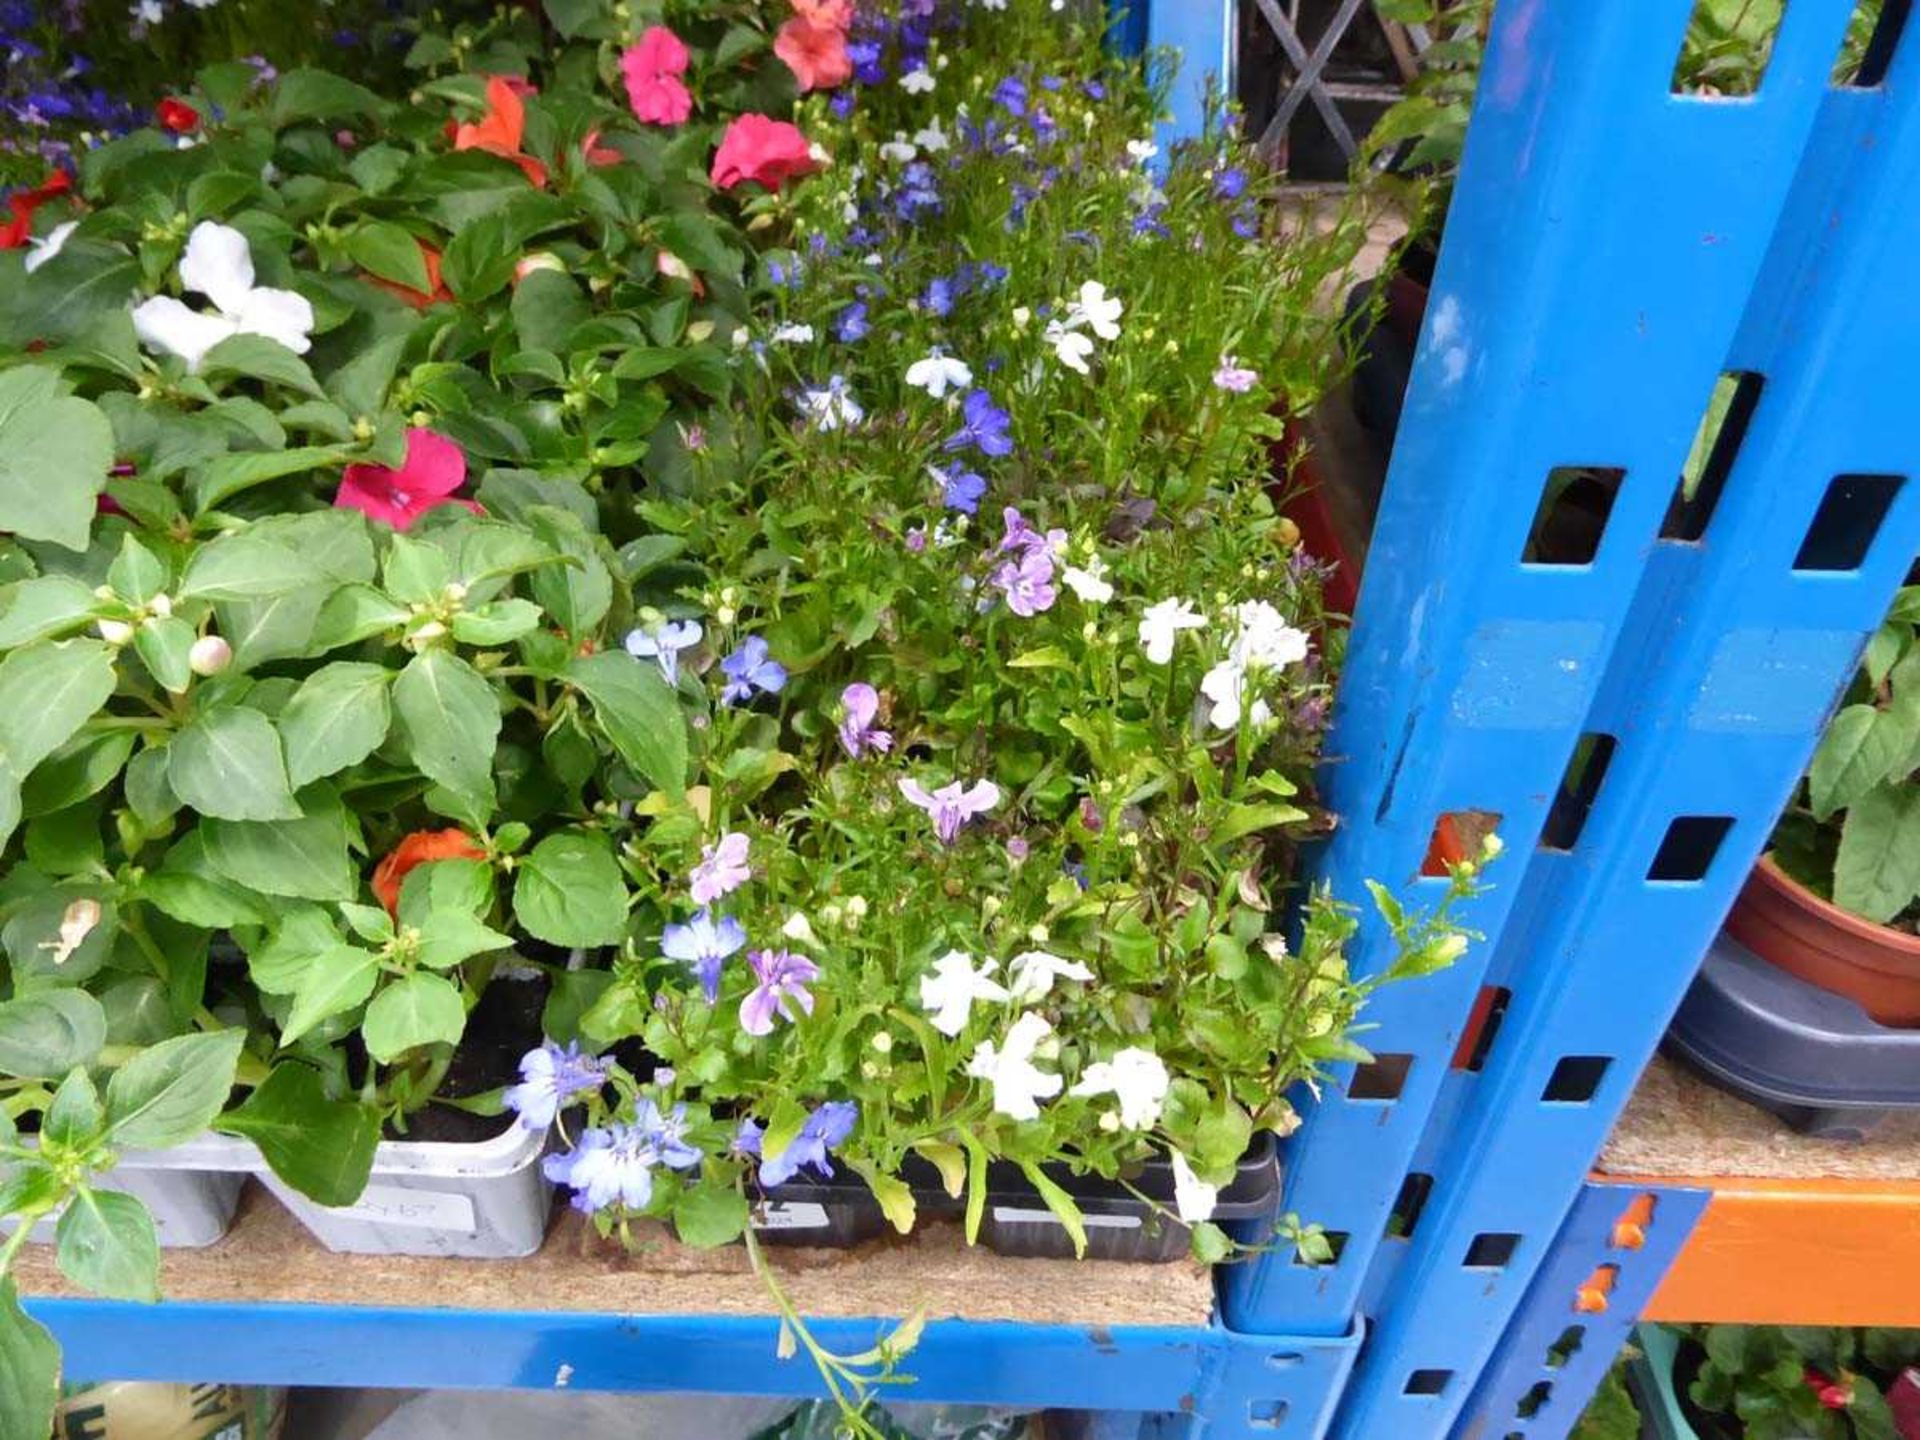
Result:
[817,54]
[767,152]
[829,14]
[596,154]
[503,128]
[652,68]
[177,116]
[434,469]
[420,848]
[436,291]
[22,204]
[1833,1394]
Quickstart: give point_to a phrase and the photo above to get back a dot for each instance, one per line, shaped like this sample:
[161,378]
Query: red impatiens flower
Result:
[817,54]
[22,203]
[652,68]
[1833,1394]
[502,129]
[434,469]
[767,152]
[177,116]
[436,290]
[597,155]
[419,848]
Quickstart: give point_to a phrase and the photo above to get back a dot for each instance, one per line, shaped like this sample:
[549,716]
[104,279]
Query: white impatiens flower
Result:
[1089,583]
[1226,686]
[918,82]
[43,249]
[1193,1198]
[949,991]
[1137,1077]
[1162,623]
[1265,640]
[1070,347]
[791,334]
[1032,974]
[1018,1084]
[1097,310]
[218,265]
[939,373]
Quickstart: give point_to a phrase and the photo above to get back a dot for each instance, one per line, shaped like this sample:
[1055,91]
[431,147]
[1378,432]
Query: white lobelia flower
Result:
[45,248]
[1162,623]
[218,265]
[791,334]
[1142,150]
[1090,583]
[1032,974]
[1137,1077]
[1265,640]
[832,406]
[949,991]
[918,81]
[899,150]
[1070,347]
[1097,310]
[1193,1198]
[1226,686]
[1018,1085]
[938,374]
[932,138]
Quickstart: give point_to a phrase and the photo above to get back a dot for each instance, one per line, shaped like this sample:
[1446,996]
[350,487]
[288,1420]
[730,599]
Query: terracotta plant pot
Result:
[1785,923]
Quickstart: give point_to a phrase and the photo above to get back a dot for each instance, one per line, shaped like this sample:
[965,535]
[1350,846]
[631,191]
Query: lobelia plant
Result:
[325,436]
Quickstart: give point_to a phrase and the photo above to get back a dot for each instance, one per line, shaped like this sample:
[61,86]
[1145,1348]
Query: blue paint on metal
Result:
[1554,1391]
[1204,1378]
[1200,37]
[1729,658]
[1603,243]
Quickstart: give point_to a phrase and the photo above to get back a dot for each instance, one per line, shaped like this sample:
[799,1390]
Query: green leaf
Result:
[78,770]
[337,718]
[42,608]
[415,570]
[439,887]
[497,623]
[1876,873]
[43,1036]
[73,1121]
[171,1092]
[201,900]
[1060,1203]
[569,892]
[245,566]
[332,981]
[227,475]
[107,1245]
[354,613]
[318,95]
[1246,819]
[55,451]
[481,259]
[227,764]
[51,690]
[451,720]
[304,859]
[707,1215]
[638,713]
[29,1371]
[784,1124]
[257,358]
[894,1194]
[322,1148]
[949,1160]
[391,252]
[449,938]
[419,1010]
[547,306]
[164,644]
[977,1162]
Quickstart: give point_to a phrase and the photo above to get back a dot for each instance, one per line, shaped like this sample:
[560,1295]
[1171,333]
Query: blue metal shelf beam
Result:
[1184,1381]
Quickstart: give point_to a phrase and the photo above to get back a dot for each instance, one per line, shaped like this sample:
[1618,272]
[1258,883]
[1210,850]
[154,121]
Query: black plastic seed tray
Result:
[841,1212]
[1815,1059]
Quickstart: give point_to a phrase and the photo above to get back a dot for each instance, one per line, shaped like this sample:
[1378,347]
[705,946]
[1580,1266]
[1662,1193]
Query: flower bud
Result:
[1288,532]
[672,266]
[883,1042]
[539,260]
[798,929]
[114,632]
[161,605]
[1491,847]
[1109,1121]
[209,656]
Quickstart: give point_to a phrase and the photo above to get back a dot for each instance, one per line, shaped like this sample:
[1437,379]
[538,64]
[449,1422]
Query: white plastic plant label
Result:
[420,1209]
[790,1215]
[1005,1214]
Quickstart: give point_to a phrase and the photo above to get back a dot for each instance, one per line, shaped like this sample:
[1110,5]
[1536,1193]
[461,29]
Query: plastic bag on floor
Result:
[515,1415]
[820,1420]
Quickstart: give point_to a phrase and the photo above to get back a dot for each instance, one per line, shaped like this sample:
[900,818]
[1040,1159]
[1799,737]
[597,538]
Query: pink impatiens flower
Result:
[434,469]
[652,69]
[766,151]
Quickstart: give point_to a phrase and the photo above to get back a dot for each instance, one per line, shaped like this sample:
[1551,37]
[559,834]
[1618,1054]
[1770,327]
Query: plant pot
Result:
[188,1190]
[482,1200]
[841,1212]
[1651,1382]
[1782,921]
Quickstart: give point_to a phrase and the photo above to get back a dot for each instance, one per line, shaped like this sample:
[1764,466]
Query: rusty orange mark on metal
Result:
[1630,1230]
[1596,1290]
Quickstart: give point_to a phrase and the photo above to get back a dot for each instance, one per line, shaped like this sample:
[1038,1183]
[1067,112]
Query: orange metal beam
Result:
[1794,1252]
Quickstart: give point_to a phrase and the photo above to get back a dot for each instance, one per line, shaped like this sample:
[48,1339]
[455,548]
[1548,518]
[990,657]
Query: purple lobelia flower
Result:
[1018,535]
[749,669]
[852,323]
[951,806]
[962,489]
[1027,582]
[703,944]
[984,426]
[550,1078]
[823,1131]
[722,868]
[860,706]
[782,977]
[666,1132]
[611,1165]
[1230,184]
[1234,377]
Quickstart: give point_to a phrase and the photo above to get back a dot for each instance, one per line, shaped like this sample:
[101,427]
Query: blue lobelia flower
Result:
[611,1165]
[749,669]
[551,1077]
[962,489]
[984,426]
[824,1130]
[703,944]
[852,324]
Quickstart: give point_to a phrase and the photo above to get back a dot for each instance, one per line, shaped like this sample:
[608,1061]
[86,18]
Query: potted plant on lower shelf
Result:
[1765,1382]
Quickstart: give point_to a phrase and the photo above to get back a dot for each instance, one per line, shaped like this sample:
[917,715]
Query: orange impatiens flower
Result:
[419,848]
[817,54]
[503,128]
[436,290]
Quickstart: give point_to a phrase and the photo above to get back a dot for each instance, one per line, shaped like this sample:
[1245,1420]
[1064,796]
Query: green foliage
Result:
[1801,1382]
